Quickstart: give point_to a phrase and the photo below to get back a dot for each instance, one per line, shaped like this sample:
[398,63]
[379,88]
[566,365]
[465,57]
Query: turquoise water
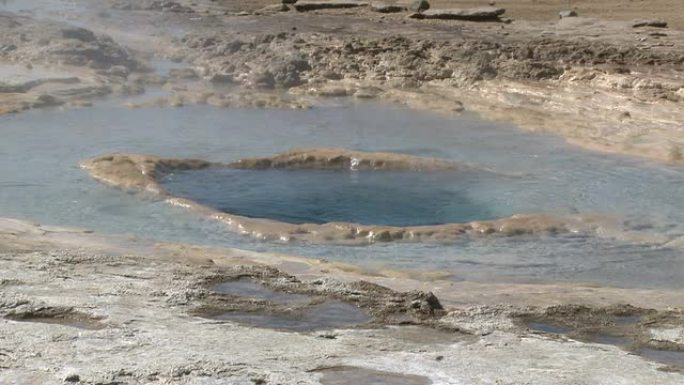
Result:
[315,196]
[40,180]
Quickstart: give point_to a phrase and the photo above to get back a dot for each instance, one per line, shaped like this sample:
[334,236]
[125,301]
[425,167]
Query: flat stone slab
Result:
[470,14]
[649,23]
[303,6]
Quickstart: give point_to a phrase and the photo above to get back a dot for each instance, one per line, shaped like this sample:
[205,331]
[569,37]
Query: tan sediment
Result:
[235,98]
[142,173]
[138,172]
[341,159]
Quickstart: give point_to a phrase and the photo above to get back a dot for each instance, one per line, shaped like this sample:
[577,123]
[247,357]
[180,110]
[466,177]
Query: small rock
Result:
[220,78]
[288,1]
[624,115]
[46,100]
[72,378]
[567,13]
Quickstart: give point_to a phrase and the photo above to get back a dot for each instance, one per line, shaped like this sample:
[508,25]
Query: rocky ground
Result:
[82,308]
[47,64]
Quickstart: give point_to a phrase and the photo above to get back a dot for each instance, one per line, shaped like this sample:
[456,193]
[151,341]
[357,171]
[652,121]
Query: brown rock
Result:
[303,6]
[469,14]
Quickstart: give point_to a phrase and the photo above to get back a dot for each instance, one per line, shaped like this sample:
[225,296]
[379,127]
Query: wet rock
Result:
[183,73]
[386,7]
[81,34]
[340,159]
[219,78]
[367,93]
[312,5]
[283,302]
[647,332]
[649,23]
[72,378]
[46,100]
[468,14]
[567,13]
[101,53]
[137,172]
[7,48]
[261,79]
[56,315]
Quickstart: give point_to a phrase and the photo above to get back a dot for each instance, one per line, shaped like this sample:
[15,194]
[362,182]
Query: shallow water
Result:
[350,375]
[665,357]
[328,315]
[40,180]
[548,328]
[671,358]
[250,289]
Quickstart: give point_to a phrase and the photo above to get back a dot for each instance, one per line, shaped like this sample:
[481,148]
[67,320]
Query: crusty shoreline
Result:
[142,173]
[119,305]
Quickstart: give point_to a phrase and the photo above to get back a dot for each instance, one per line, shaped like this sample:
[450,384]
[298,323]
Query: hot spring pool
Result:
[40,180]
[395,198]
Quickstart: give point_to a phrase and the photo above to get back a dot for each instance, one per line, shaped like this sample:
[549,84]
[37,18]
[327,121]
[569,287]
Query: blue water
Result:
[320,196]
[40,180]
